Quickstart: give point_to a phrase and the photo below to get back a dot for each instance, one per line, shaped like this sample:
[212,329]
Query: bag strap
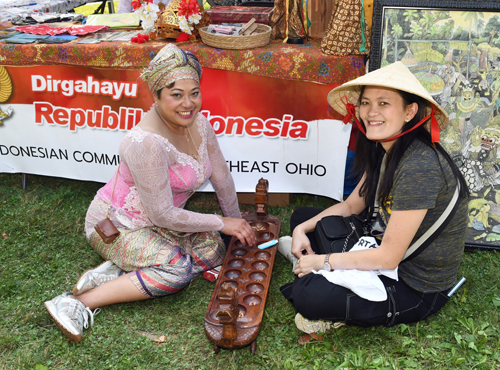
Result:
[432,233]
[373,209]
[113,192]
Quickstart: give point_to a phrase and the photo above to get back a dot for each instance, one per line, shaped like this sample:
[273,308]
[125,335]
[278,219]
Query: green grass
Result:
[43,251]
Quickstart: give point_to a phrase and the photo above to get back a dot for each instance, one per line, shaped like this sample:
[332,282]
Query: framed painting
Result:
[453,48]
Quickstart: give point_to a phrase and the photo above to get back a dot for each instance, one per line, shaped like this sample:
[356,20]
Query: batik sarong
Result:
[161,261]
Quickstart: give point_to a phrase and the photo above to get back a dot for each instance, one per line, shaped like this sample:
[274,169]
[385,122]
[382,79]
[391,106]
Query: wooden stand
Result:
[319,12]
[234,314]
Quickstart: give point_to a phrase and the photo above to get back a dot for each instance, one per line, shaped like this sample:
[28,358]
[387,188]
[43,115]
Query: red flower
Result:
[140,38]
[188,7]
[182,37]
[136,4]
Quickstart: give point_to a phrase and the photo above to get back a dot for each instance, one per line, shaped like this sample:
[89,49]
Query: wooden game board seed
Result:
[258,228]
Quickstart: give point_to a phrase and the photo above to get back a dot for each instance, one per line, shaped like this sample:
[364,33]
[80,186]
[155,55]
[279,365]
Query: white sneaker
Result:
[70,315]
[93,278]
[285,248]
[315,326]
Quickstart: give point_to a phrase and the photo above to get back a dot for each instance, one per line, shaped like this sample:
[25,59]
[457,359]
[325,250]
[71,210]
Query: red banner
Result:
[224,93]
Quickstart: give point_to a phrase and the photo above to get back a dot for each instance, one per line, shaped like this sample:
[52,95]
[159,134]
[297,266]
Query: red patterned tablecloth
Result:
[290,62]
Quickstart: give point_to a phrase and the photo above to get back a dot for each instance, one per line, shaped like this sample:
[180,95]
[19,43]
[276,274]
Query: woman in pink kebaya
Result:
[164,160]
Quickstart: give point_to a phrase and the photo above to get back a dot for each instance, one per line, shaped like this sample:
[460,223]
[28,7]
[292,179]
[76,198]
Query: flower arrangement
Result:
[140,38]
[189,15]
[147,11]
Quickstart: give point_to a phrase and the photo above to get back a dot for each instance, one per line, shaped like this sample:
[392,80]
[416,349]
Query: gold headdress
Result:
[167,24]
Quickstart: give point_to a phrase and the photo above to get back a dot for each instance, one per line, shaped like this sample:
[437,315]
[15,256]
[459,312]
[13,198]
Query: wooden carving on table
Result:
[234,314]
[167,23]
[320,12]
[228,311]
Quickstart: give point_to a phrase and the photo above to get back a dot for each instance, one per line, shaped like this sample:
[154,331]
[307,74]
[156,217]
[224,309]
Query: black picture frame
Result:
[453,47]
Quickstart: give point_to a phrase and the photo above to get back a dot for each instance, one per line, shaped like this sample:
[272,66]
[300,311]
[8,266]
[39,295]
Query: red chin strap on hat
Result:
[351,114]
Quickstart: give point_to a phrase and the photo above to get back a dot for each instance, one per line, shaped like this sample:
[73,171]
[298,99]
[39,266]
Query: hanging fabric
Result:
[347,33]
[289,19]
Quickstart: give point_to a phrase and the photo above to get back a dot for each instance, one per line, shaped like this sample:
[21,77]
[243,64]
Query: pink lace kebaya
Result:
[155,180]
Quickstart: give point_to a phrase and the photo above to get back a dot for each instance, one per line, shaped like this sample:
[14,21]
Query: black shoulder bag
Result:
[338,234]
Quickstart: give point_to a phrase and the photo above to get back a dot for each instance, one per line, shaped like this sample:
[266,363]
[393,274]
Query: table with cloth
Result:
[267,106]
[11,8]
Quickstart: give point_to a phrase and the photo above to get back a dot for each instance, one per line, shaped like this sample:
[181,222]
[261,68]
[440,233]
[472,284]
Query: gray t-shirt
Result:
[424,180]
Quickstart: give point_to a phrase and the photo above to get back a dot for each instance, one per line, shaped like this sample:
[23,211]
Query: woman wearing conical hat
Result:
[403,167]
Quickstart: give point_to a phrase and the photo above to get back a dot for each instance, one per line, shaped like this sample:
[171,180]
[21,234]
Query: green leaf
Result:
[496,301]
[472,345]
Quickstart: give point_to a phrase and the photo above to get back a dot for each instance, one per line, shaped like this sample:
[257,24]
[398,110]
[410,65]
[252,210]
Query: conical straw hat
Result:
[395,76]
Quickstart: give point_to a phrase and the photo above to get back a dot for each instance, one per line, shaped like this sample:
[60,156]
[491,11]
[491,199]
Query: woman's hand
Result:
[308,263]
[240,228]
[300,243]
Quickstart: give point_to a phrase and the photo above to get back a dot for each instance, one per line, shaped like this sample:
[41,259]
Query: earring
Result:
[407,120]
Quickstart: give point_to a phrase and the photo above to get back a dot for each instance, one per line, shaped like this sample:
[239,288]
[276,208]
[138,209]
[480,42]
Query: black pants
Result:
[316,298]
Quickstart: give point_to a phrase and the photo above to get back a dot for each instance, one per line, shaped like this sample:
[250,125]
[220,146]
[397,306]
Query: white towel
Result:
[366,284]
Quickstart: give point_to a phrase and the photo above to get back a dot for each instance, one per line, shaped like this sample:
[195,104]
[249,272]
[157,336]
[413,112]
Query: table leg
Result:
[253,347]
[101,7]
[24,180]
[111,6]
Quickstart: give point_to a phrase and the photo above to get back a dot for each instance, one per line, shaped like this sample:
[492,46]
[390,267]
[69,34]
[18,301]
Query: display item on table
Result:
[240,14]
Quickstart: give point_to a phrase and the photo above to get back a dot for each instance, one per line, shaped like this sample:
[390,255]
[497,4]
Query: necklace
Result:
[195,156]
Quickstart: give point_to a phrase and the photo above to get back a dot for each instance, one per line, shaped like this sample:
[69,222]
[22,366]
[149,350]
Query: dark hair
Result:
[158,92]
[369,154]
